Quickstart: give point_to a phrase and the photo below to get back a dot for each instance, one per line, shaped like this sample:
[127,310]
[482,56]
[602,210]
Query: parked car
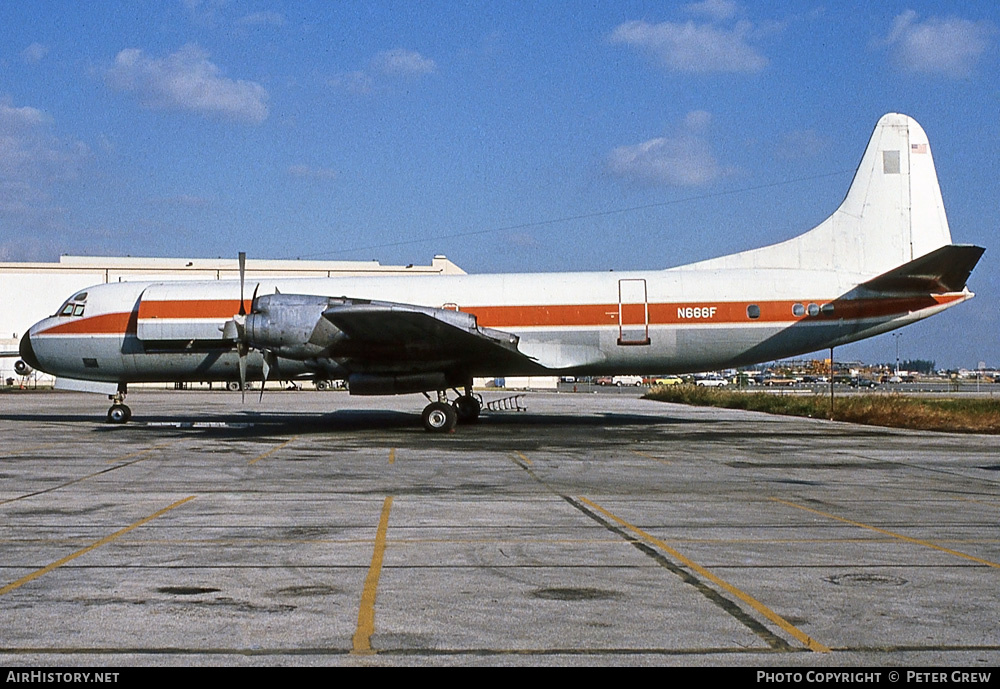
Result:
[711,382]
[863,383]
[668,380]
[627,380]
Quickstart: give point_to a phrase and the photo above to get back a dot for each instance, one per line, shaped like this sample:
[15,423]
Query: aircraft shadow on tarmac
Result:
[341,421]
[628,426]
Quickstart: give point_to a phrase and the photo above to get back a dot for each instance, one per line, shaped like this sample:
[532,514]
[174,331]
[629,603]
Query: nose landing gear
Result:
[119,412]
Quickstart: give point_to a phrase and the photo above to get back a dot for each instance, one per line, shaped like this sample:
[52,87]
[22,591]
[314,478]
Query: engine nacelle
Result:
[21,368]
[292,325]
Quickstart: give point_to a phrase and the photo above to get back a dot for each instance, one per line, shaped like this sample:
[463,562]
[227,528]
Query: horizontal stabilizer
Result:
[943,270]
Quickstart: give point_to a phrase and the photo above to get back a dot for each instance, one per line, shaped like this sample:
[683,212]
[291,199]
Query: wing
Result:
[382,345]
[377,330]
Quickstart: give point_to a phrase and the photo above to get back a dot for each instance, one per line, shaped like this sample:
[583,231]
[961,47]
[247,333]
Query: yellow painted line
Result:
[916,541]
[366,613]
[392,455]
[787,626]
[272,451]
[524,458]
[657,459]
[107,539]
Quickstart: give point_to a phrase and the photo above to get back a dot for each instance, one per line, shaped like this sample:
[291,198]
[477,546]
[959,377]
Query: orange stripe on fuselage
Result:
[104,324]
[192,308]
[541,316]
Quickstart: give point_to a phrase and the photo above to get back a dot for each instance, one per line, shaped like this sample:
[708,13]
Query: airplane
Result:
[882,260]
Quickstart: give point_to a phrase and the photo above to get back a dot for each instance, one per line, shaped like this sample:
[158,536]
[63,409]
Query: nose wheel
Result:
[119,413]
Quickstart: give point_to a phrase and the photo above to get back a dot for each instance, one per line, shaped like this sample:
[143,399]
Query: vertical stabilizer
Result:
[893,212]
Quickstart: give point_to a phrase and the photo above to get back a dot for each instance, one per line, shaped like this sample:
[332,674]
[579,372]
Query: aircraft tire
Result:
[467,408]
[119,413]
[439,417]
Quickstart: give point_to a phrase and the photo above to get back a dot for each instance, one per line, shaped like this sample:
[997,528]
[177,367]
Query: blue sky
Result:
[509,136]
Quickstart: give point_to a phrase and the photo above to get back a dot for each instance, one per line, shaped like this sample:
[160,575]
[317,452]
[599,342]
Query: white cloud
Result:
[697,120]
[398,62]
[685,160]
[31,157]
[694,48]
[402,62]
[949,47]
[188,80]
[34,53]
[33,163]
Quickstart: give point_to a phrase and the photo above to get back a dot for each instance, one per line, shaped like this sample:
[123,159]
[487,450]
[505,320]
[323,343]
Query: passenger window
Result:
[753,311]
[798,310]
[813,309]
[827,308]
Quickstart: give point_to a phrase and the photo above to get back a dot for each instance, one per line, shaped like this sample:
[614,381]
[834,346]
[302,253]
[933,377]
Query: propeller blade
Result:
[267,373]
[243,272]
[242,349]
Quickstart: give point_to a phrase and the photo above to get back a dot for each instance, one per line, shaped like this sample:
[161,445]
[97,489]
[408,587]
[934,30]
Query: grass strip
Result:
[976,415]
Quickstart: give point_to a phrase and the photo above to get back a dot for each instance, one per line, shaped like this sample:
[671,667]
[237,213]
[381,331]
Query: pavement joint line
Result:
[776,642]
[96,544]
[272,451]
[784,624]
[362,640]
[908,539]
[140,456]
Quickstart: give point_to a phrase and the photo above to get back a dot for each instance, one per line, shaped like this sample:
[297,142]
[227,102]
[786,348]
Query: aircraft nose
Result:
[27,352]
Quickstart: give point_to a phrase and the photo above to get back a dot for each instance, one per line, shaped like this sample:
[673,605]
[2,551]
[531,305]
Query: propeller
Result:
[236,329]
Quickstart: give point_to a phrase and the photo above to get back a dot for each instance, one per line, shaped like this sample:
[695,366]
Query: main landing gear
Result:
[442,416]
[119,412]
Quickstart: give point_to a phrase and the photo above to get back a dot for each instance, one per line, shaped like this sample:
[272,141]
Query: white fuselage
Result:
[670,321]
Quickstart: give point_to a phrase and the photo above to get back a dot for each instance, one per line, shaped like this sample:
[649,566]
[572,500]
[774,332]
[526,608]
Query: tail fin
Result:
[893,212]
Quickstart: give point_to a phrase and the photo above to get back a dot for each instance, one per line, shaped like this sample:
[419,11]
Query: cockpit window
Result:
[74,306]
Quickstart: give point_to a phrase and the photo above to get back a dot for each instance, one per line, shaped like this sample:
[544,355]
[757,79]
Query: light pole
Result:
[896,337]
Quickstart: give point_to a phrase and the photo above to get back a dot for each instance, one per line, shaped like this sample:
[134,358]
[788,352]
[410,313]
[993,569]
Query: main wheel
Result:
[439,417]
[467,408]
[119,413]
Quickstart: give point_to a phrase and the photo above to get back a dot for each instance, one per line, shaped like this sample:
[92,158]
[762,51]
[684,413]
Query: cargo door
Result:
[175,312]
